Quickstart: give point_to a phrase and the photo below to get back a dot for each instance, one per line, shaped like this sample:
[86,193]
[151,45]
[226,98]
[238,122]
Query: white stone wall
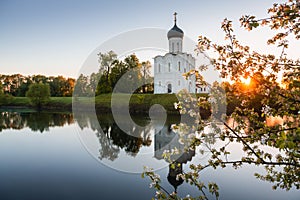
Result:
[175,45]
[169,69]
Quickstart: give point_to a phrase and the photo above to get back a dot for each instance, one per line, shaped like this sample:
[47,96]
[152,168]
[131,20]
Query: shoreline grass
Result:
[138,103]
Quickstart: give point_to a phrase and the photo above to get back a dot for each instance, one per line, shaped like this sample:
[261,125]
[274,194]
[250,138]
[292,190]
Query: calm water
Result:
[62,156]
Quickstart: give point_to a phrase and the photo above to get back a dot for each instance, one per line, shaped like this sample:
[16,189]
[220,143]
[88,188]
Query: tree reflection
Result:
[111,138]
[36,121]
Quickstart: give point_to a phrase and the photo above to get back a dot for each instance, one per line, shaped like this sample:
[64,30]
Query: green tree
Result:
[1,89]
[39,94]
[111,70]
[4,98]
[107,61]
[24,86]
[117,72]
[82,87]
[135,77]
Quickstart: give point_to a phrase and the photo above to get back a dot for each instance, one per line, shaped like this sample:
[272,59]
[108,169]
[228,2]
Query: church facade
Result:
[169,68]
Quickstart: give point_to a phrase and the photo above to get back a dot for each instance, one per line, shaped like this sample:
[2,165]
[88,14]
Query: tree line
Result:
[111,69]
[17,85]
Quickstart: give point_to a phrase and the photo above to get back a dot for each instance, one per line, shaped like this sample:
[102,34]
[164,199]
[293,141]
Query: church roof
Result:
[175,31]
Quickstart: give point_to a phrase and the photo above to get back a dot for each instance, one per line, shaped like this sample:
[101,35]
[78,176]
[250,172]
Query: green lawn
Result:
[138,102]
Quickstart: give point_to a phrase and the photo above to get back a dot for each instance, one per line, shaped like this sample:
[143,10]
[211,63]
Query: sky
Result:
[53,37]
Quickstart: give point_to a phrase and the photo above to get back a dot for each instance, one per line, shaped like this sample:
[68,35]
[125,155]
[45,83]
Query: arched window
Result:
[158,68]
[177,46]
[169,66]
[179,66]
[169,88]
[172,46]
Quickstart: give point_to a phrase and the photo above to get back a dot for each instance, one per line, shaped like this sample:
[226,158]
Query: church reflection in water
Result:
[166,140]
[110,139]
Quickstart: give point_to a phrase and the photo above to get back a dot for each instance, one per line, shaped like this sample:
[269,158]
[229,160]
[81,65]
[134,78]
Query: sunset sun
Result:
[246,81]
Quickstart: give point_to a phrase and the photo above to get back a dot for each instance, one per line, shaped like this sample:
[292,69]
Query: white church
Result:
[169,69]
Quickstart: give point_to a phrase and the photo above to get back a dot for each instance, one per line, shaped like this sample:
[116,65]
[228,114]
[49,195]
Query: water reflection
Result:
[126,151]
[36,121]
[115,148]
[112,141]
[166,140]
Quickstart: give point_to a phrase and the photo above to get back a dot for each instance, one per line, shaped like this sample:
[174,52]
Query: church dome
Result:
[175,32]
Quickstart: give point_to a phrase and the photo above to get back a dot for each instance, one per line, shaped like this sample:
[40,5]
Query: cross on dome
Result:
[175,14]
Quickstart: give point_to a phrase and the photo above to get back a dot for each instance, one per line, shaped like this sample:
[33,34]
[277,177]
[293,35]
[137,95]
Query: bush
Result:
[38,94]
[5,99]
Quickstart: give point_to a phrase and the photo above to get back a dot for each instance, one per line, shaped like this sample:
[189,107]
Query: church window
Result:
[158,67]
[169,88]
[172,46]
[204,89]
[179,66]
[159,83]
[201,89]
[178,46]
[169,65]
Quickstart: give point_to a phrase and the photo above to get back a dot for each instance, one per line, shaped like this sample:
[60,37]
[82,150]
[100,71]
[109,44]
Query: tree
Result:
[134,77]
[60,86]
[1,90]
[112,70]
[69,87]
[4,98]
[38,94]
[107,62]
[82,86]
[23,88]
[145,70]
[264,98]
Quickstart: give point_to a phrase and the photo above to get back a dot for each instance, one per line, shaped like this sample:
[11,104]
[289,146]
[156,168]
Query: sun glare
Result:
[246,80]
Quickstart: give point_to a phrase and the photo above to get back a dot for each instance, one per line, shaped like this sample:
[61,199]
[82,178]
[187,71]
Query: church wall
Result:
[169,69]
[175,45]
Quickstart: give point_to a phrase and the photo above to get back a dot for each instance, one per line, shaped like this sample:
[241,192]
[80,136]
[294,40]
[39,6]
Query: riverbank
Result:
[139,103]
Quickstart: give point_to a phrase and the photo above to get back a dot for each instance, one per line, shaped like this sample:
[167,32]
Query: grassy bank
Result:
[55,103]
[139,103]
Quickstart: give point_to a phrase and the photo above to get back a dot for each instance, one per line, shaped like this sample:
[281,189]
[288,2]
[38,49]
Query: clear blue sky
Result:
[53,37]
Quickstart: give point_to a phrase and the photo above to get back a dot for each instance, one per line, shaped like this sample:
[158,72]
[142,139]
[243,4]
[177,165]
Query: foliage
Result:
[82,86]
[39,94]
[145,71]
[61,87]
[17,84]
[4,98]
[112,69]
[274,146]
